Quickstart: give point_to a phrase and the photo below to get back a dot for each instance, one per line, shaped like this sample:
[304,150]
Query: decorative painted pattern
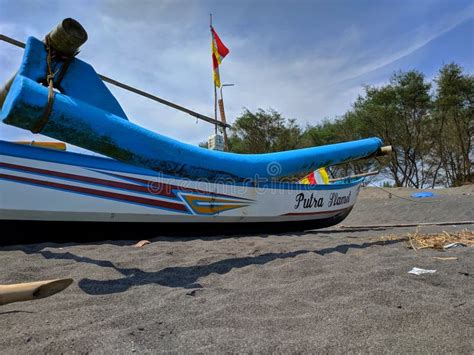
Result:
[158,194]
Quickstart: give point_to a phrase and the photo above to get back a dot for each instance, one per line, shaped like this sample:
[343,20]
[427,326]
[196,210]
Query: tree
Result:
[262,132]
[454,114]
[399,114]
[431,134]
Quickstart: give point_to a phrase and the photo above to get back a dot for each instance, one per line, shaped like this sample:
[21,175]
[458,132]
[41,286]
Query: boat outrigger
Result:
[147,180]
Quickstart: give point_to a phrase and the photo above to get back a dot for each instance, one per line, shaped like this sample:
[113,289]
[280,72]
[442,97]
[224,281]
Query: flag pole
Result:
[213,81]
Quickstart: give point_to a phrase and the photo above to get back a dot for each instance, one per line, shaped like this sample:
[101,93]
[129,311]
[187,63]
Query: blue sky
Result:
[306,59]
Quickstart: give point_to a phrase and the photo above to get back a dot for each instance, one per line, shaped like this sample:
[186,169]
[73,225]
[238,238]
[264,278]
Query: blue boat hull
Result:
[100,126]
[50,195]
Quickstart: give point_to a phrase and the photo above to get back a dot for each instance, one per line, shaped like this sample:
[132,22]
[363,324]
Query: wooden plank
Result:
[50,145]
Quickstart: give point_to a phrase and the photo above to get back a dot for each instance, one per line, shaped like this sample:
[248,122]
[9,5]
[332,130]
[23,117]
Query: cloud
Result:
[412,41]
[306,61]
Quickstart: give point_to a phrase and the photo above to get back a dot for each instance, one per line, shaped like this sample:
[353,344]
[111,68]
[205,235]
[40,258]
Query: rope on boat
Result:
[400,197]
[390,193]
[137,91]
[38,127]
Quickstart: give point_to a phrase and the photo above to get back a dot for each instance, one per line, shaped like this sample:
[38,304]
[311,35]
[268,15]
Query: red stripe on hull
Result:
[94,192]
[104,182]
[153,187]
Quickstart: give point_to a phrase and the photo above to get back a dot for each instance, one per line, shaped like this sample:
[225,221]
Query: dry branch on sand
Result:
[439,240]
[419,240]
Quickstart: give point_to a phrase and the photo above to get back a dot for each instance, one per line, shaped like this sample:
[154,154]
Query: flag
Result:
[317,177]
[219,51]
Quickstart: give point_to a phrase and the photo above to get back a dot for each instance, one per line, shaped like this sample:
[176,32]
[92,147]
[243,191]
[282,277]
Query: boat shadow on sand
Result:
[186,276]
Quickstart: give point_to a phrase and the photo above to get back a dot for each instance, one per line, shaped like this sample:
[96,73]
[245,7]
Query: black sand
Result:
[328,291]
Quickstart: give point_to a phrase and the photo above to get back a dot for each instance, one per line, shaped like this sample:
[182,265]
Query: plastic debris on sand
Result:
[454,245]
[419,271]
[424,194]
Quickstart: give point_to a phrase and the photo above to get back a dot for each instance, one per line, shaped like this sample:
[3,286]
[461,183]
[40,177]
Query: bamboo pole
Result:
[385,150]
[370,173]
[161,101]
[402,225]
[31,290]
[223,119]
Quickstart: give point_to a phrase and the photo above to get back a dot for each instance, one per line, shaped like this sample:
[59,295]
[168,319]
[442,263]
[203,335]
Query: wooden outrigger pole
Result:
[370,173]
[120,85]
[32,290]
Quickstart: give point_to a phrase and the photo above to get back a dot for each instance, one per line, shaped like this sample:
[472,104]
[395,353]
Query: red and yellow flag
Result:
[219,51]
[317,177]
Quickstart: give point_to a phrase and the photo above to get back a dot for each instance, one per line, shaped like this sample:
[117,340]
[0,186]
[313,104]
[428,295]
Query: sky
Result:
[309,60]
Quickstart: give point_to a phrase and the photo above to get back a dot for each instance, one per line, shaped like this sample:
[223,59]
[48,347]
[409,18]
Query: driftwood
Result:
[31,290]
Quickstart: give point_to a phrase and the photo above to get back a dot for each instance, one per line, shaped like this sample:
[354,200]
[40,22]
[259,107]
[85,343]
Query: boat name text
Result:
[336,200]
[312,201]
[308,202]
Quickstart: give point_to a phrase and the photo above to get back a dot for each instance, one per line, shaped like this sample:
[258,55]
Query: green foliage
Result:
[429,132]
[399,114]
[263,132]
[452,120]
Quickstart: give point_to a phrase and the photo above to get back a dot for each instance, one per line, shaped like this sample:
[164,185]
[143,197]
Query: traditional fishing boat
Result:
[146,181]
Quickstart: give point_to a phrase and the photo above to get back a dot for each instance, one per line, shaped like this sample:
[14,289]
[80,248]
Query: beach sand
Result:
[329,291]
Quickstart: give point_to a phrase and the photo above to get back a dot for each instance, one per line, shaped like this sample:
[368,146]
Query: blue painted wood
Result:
[81,121]
[80,81]
[102,163]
